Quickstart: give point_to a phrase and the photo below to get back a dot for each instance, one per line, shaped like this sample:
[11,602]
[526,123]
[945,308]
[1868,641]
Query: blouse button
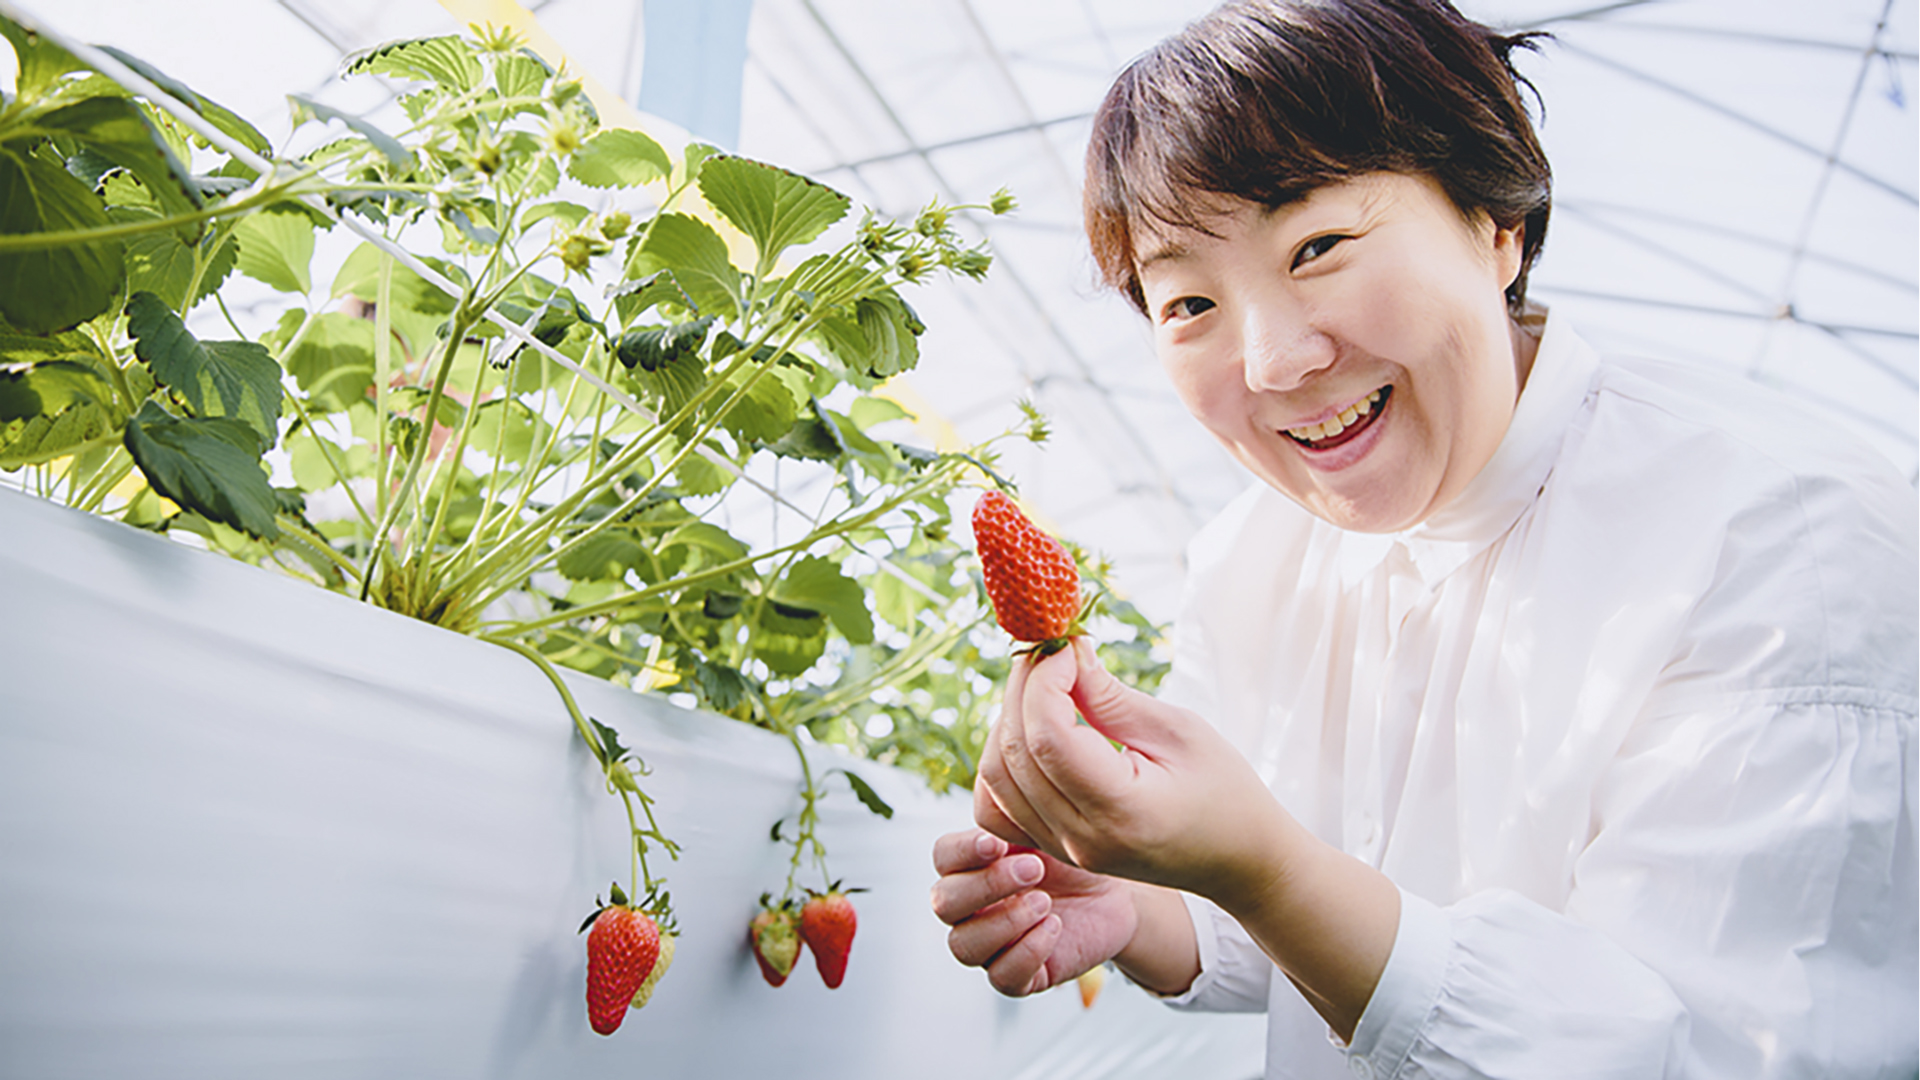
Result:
[1360,1067]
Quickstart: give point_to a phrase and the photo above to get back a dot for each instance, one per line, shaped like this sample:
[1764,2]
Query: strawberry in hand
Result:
[1031,577]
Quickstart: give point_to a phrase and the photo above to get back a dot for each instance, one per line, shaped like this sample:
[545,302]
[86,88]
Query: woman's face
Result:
[1353,349]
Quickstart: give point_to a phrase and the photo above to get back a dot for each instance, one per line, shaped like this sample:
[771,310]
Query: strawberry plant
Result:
[610,408]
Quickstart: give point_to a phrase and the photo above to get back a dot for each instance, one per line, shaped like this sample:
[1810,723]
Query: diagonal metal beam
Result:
[1727,33]
[1588,14]
[1738,117]
[1600,209]
[1832,162]
[1706,270]
[965,140]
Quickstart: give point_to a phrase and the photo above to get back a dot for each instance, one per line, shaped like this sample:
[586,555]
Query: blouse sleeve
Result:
[1748,915]
[1234,972]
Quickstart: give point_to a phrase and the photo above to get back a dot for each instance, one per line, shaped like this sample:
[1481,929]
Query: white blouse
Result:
[1631,723]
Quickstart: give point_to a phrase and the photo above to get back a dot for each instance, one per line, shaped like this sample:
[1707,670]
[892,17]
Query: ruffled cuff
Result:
[1406,993]
[1234,973]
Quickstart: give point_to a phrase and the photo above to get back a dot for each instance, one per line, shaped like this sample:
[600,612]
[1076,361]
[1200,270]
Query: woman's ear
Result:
[1507,248]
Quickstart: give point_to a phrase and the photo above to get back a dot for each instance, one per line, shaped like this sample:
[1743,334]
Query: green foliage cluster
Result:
[571,490]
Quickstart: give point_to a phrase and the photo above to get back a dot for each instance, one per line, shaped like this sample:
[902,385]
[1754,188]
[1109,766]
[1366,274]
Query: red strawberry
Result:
[775,937]
[826,925]
[622,951]
[1031,577]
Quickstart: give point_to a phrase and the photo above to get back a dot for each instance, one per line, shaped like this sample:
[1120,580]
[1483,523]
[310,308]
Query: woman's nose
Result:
[1281,350]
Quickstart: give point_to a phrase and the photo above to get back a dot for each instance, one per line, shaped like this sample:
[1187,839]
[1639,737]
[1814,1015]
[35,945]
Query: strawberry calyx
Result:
[656,905]
[1040,650]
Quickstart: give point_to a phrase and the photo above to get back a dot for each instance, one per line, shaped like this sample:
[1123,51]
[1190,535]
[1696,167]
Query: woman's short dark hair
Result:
[1266,100]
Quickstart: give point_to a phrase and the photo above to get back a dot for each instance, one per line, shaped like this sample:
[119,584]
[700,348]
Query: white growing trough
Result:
[249,828]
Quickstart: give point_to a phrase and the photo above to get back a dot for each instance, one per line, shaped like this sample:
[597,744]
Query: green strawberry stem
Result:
[619,778]
[806,835]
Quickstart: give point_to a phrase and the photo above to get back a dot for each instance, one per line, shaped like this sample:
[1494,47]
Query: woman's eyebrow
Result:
[1162,252]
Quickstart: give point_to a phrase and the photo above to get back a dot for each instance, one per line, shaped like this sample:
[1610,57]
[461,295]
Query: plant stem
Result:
[14,243]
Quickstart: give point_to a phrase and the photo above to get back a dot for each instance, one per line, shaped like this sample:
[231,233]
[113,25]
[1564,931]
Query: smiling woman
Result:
[1539,707]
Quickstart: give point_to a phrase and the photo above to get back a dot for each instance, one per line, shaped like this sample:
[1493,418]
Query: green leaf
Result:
[305,108]
[26,349]
[478,234]
[720,606]
[333,363]
[708,537]
[572,214]
[868,797]
[217,378]
[210,466]
[55,288]
[308,456]
[877,339]
[606,555]
[417,307]
[50,387]
[526,171]
[520,76]
[655,347]
[41,62]
[868,411]
[723,688]
[359,277]
[47,437]
[631,299]
[696,256]
[767,412]
[774,207]
[619,157]
[812,438]
[698,476]
[276,249]
[446,60]
[116,129]
[219,116]
[160,263]
[817,583]
[788,655]
[610,750]
[522,426]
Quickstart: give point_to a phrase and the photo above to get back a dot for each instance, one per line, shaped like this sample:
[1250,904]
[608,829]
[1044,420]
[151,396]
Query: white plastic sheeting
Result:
[249,828]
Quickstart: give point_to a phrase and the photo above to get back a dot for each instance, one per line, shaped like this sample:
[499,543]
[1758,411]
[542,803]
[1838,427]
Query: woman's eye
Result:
[1315,248]
[1188,306]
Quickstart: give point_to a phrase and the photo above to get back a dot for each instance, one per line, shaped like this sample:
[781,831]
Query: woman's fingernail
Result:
[1027,869]
[1037,903]
[988,846]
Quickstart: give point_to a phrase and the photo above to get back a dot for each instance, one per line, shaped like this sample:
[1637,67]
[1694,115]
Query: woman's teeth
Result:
[1337,424]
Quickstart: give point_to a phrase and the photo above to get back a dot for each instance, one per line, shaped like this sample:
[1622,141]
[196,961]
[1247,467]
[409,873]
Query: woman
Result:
[1539,714]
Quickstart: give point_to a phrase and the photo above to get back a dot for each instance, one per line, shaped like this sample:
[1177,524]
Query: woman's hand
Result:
[1175,805]
[1030,920]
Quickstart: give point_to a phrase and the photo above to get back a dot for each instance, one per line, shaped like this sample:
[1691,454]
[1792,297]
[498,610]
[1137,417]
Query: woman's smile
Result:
[1344,426]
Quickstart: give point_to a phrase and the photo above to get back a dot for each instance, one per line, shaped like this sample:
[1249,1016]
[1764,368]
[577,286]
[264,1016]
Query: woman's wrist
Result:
[1163,955]
[1325,918]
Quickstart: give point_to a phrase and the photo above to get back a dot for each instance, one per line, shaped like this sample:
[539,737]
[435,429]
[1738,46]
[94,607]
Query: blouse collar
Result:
[1563,369]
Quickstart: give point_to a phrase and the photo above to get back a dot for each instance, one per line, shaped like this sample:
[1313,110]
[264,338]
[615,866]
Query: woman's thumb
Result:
[1115,709]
